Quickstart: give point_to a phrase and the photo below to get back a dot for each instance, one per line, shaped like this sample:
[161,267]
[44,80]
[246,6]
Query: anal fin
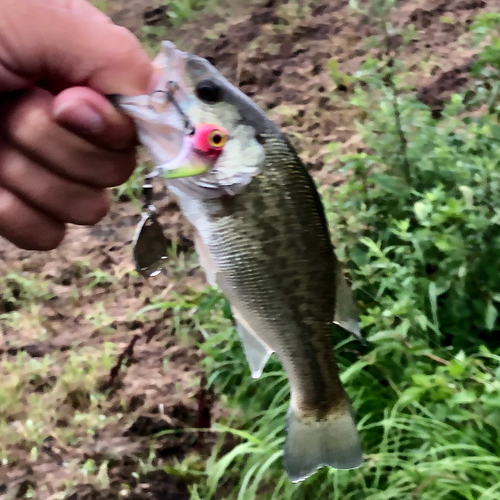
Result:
[256,351]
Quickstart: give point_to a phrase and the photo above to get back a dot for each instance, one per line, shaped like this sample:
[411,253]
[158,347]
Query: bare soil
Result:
[278,54]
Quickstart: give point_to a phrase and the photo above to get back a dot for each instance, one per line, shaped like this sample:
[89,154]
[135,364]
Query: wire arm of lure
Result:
[169,93]
[147,194]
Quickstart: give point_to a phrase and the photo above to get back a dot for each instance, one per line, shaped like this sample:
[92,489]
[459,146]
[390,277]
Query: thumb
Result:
[65,43]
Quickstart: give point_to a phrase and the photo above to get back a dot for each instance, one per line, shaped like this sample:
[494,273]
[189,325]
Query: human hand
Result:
[61,142]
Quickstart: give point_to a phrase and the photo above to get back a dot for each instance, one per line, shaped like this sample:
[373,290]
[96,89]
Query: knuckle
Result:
[25,227]
[99,209]
[129,39]
[8,208]
[119,170]
[129,43]
[12,169]
[51,238]
[132,50]
[92,210]
[26,122]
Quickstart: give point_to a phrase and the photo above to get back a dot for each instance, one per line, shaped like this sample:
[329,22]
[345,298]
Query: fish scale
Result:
[284,189]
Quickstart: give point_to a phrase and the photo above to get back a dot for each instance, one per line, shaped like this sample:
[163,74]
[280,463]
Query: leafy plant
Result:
[427,228]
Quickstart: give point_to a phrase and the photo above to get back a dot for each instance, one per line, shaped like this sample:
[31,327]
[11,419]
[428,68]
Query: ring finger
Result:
[62,199]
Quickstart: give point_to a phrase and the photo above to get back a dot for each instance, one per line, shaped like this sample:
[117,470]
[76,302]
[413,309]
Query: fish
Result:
[262,238]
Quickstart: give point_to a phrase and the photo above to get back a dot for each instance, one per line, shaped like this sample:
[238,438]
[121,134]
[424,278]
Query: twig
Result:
[205,402]
[126,354]
[403,141]
[437,359]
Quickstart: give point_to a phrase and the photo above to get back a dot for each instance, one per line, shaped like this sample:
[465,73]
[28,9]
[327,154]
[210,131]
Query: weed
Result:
[36,405]
[100,4]
[21,289]
[100,278]
[180,11]
[132,188]
[99,318]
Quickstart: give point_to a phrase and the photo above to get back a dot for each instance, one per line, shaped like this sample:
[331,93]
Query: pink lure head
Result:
[208,140]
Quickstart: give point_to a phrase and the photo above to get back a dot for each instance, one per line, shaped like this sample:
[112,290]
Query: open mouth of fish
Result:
[163,127]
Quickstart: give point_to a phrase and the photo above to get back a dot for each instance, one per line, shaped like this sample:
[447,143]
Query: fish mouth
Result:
[162,125]
[163,134]
[165,118]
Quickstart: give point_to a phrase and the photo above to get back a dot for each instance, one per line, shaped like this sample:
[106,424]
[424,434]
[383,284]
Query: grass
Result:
[420,416]
[180,11]
[131,190]
[36,404]
[18,290]
[60,398]
[426,392]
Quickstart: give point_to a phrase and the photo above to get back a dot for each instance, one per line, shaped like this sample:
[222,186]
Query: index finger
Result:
[60,44]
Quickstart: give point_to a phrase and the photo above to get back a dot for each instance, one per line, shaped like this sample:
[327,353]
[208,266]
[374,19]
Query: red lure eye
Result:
[209,137]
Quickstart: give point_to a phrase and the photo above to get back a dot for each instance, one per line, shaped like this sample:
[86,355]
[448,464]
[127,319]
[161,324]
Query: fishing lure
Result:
[202,145]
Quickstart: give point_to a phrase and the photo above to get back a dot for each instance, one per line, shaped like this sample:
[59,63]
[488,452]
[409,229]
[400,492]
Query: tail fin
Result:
[312,444]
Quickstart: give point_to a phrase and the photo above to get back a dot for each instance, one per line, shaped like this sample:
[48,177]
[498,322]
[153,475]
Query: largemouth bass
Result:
[262,237]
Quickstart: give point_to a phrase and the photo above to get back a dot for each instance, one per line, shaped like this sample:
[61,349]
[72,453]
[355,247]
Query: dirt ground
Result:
[278,54]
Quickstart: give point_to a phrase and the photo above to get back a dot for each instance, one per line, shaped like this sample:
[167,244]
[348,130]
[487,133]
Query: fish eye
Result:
[217,139]
[208,91]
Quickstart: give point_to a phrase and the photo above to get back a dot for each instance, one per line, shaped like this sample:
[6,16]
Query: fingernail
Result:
[80,116]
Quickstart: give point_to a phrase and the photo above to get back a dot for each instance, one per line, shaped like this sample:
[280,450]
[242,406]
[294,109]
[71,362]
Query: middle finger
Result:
[27,123]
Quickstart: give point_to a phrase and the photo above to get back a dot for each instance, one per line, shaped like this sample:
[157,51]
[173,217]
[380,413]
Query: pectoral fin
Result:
[346,313]
[256,351]
[206,261]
